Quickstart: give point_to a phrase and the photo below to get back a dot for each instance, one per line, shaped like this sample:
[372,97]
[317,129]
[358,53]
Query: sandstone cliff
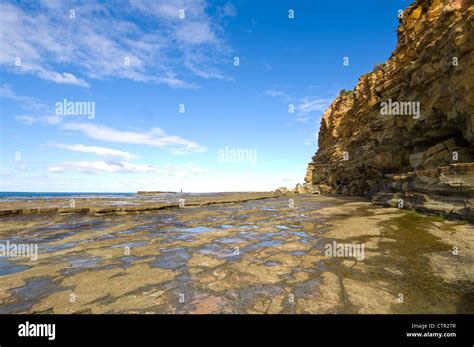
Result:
[398,154]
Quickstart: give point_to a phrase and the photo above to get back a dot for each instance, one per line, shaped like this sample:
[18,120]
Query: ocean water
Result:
[61,195]
[113,198]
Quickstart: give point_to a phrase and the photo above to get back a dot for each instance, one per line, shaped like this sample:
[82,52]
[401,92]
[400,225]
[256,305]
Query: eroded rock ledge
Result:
[425,159]
[105,206]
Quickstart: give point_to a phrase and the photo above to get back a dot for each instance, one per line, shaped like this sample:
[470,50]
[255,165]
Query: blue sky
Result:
[137,61]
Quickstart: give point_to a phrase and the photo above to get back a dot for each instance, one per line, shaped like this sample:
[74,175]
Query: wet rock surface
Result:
[260,256]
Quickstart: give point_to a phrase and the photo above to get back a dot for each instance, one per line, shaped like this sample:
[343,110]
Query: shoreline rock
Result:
[103,206]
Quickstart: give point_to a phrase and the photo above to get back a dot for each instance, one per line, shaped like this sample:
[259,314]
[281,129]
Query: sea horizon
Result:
[19,194]
[7,194]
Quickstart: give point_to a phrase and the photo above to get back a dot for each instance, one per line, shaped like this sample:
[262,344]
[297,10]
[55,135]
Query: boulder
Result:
[300,189]
[283,191]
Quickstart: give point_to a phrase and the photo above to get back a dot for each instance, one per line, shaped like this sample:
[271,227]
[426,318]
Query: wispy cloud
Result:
[100,151]
[39,111]
[101,166]
[26,102]
[28,120]
[276,93]
[303,106]
[103,41]
[98,167]
[156,137]
[312,104]
[265,67]
[228,10]
[186,170]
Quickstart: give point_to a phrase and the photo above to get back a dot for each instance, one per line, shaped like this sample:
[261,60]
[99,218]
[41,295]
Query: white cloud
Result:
[109,41]
[98,167]
[312,104]
[53,119]
[276,93]
[195,33]
[34,105]
[101,151]
[28,120]
[228,10]
[156,137]
[169,10]
[61,78]
[186,170]
[101,166]
[26,102]
[303,106]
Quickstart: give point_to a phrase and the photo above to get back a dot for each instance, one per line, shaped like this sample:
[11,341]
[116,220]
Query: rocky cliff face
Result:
[405,134]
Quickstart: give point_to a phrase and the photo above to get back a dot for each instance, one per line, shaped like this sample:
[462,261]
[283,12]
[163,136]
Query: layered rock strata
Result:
[404,135]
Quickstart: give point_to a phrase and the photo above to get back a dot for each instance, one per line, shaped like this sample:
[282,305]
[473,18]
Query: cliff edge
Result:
[404,135]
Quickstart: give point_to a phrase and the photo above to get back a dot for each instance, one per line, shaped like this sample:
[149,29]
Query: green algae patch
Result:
[412,230]
[417,287]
